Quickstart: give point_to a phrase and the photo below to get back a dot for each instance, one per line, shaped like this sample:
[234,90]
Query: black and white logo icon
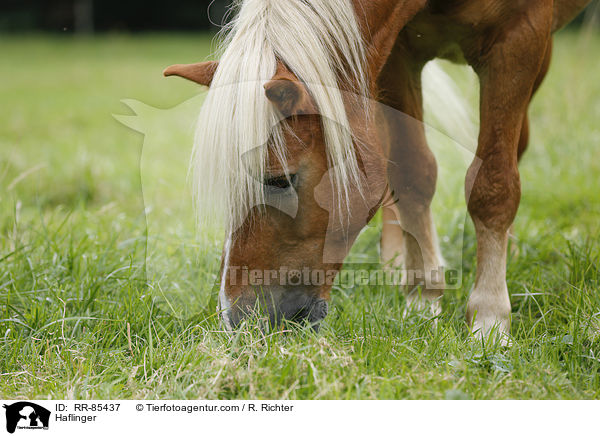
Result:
[26,415]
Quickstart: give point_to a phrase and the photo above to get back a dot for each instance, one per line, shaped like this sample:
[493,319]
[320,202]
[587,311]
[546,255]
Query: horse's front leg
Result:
[507,75]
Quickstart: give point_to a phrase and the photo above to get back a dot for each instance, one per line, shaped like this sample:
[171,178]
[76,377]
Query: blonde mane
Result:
[321,43]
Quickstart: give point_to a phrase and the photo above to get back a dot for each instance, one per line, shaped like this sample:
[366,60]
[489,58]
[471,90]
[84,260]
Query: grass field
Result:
[83,315]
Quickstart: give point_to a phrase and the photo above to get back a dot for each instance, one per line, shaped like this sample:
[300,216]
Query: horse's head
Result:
[286,251]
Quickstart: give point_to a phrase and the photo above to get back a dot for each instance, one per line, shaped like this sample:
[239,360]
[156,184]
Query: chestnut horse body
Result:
[508,43]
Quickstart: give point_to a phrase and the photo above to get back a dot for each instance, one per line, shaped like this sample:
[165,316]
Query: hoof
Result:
[492,330]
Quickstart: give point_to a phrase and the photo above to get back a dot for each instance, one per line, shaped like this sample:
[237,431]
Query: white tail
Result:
[446,109]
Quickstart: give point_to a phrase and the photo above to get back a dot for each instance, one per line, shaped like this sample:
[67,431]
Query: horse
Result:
[292,134]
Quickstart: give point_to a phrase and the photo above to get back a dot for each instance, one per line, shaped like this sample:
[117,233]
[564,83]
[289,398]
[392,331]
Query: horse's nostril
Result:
[300,305]
[318,311]
[313,311]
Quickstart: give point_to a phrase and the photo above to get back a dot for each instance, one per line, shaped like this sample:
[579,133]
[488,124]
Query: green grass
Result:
[83,315]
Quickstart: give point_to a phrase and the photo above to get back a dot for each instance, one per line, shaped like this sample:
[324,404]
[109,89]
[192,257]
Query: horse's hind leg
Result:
[507,75]
[412,173]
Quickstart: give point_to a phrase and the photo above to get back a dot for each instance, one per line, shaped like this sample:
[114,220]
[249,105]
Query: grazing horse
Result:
[292,133]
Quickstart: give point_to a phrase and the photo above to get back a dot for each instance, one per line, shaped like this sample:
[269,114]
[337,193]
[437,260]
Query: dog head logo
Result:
[24,414]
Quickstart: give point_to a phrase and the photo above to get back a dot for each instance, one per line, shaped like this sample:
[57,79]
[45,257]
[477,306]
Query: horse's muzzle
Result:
[274,305]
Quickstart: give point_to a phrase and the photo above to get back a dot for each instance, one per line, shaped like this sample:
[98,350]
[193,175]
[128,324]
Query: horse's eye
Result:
[281,182]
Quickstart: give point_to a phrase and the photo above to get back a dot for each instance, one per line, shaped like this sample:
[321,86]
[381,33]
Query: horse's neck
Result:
[565,11]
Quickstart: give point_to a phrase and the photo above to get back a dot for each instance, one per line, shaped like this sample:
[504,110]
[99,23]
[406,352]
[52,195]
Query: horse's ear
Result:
[289,96]
[201,73]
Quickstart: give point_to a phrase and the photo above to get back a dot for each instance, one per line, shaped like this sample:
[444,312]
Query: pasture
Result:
[81,317]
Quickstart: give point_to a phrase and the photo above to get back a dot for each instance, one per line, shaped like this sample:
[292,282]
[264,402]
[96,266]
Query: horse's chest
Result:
[430,37]
[459,29]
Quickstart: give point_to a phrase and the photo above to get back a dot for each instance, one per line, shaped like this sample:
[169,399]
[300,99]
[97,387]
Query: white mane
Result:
[321,43]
